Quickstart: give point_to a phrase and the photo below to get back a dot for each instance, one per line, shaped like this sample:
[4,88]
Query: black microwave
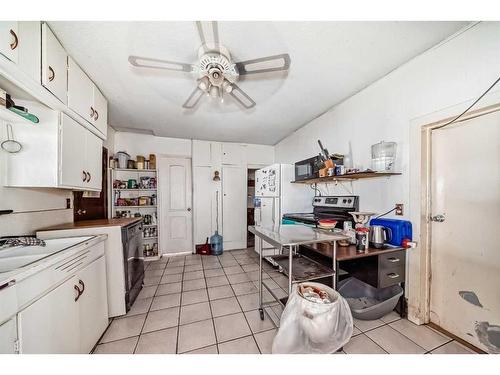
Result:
[307,169]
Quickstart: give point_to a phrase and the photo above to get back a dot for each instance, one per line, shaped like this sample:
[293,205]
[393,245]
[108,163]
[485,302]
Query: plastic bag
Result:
[308,327]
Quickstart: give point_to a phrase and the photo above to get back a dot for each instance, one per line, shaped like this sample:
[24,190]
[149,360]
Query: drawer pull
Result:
[393,260]
[96,117]
[393,275]
[15,43]
[92,112]
[52,74]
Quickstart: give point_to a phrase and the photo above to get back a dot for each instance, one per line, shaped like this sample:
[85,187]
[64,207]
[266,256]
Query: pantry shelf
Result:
[135,170]
[118,189]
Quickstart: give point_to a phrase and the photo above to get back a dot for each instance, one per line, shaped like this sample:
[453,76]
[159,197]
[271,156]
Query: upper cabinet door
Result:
[93,159]
[73,153]
[30,53]
[101,111]
[9,40]
[201,154]
[233,153]
[54,65]
[80,92]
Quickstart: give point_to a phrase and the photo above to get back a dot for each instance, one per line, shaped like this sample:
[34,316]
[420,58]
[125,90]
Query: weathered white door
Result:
[176,220]
[465,250]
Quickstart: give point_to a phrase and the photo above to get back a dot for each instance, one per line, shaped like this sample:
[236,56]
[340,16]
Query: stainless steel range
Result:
[327,207]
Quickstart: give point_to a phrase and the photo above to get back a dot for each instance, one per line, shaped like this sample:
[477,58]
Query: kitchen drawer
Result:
[392,260]
[389,277]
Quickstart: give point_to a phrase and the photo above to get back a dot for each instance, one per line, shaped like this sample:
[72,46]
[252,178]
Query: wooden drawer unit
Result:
[380,271]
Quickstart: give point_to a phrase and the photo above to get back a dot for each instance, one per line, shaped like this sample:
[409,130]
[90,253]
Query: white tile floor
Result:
[195,304]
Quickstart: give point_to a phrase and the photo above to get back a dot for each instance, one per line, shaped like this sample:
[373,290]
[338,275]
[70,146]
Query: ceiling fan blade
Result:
[209,34]
[146,62]
[264,64]
[194,98]
[242,97]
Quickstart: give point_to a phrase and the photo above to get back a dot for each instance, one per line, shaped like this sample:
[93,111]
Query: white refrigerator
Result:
[275,195]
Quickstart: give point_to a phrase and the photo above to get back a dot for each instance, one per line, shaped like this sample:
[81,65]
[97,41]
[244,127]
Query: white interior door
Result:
[465,253]
[234,207]
[176,220]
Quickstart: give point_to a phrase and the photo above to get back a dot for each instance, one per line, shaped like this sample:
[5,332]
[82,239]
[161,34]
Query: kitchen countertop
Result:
[121,222]
[47,255]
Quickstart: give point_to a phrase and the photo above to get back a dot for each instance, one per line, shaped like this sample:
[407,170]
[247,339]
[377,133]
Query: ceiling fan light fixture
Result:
[226,86]
[204,84]
[214,91]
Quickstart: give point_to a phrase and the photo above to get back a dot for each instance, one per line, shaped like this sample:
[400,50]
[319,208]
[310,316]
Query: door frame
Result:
[159,203]
[418,279]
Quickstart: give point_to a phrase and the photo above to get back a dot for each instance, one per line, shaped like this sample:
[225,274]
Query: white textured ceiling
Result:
[330,61]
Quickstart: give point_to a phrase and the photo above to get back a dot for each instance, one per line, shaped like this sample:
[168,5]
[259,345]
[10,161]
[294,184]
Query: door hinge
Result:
[16,346]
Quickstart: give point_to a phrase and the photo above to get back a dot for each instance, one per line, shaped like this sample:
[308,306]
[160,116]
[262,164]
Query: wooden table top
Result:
[349,252]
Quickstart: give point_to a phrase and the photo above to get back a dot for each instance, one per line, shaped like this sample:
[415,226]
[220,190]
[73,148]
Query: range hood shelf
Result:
[347,177]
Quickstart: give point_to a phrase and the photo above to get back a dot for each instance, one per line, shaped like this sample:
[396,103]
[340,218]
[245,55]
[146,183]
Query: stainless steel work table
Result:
[297,268]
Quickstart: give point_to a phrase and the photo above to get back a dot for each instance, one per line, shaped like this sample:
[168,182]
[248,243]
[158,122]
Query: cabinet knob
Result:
[84,176]
[96,115]
[92,112]
[52,74]
[15,43]
[90,176]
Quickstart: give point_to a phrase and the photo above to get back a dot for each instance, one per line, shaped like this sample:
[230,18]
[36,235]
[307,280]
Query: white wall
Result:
[454,72]
[145,144]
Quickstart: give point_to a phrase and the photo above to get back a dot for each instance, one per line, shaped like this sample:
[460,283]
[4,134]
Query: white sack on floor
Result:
[308,327]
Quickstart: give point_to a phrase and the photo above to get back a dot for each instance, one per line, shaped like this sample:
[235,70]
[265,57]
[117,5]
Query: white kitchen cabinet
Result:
[100,111]
[201,153]
[93,159]
[30,53]
[233,154]
[85,98]
[69,319]
[51,324]
[73,162]
[54,65]
[92,304]
[8,337]
[80,156]
[259,156]
[234,206]
[9,39]
[80,91]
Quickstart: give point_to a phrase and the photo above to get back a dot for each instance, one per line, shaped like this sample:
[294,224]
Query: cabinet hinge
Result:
[16,346]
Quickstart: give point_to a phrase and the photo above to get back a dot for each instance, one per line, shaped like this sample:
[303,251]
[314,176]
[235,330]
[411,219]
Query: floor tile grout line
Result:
[180,308]
[369,338]
[211,312]
[147,314]
[422,325]
[243,312]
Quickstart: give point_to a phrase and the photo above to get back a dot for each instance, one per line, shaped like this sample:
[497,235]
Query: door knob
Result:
[438,218]
[81,212]
[189,209]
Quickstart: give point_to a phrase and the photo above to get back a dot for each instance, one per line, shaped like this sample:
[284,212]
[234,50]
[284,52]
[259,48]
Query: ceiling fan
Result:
[216,72]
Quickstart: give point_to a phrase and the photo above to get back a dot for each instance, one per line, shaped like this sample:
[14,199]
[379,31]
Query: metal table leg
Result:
[261,309]
[290,271]
[334,265]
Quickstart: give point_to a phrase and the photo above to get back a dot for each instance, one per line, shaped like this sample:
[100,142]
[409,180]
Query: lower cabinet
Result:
[69,319]
[8,337]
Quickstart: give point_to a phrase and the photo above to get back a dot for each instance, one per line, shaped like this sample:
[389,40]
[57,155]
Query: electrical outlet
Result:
[399,209]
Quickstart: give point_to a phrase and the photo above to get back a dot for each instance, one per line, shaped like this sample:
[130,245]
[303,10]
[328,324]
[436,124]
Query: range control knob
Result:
[344,201]
[349,201]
